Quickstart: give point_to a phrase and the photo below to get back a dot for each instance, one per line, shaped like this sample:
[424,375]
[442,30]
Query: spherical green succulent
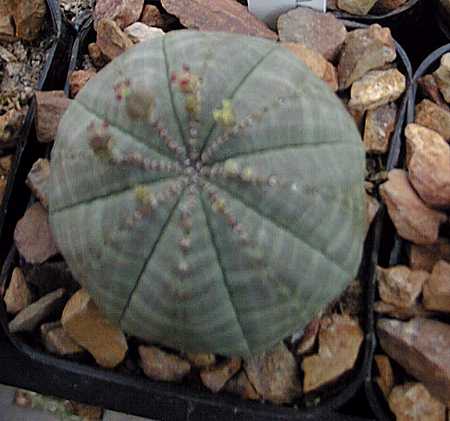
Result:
[207,190]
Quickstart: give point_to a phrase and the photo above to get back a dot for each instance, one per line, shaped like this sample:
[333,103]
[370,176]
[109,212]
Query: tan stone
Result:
[400,286]
[340,339]
[96,55]
[57,341]
[356,7]
[111,40]
[428,165]
[38,180]
[365,50]
[413,220]
[28,17]
[10,122]
[18,295]
[275,375]
[413,402]
[372,208]
[162,366]
[421,347]
[151,16]
[139,32]
[123,12]
[201,360]
[78,80]
[389,5]
[380,124]
[442,76]
[425,257]
[50,107]
[240,385]
[385,379]
[401,313]
[87,326]
[431,90]
[309,338]
[434,117]
[214,378]
[322,68]
[377,88]
[436,291]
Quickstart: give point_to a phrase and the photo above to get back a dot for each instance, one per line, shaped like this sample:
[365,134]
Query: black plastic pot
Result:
[396,252]
[141,396]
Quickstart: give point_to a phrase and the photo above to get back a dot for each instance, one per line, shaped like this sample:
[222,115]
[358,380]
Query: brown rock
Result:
[18,295]
[274,375]
[365,50]
[28,17]
[38,179]
[380,124]
[385,6]
[151,16]
[161,366]
[111,40]
[425,257]
[340,338]
[78,79]
[385,379]
[214,378]
[400,286]
[413,220]
[431,90]
[413,402]
[320,32]
[10,122]
[442,77]
[123,12]
[33,236]
[85,412]
[86,325]
[356,7]
[401,313]
[372,209]
[428,158]
[308,340]
[240,385]
[3,183]
[377,88]
[139,32]
[30,317]
[6,165]
[436,291]
[96,55]
[434,117]
[201,360]
[217,15]
[322,68]
[57,341]
[50,107]
[7,31]
[421,347]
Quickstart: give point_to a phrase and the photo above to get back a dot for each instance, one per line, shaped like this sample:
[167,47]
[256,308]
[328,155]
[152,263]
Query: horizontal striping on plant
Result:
[207,190]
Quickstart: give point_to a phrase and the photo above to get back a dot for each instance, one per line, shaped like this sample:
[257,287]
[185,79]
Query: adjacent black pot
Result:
[395,248]
[140,396]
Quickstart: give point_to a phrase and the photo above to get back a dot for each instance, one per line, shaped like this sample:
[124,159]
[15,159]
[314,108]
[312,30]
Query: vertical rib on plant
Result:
[207,190]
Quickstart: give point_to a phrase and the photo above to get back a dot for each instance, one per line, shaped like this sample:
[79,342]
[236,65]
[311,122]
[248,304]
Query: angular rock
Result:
[10,122]
[30,317]
[436,291]
[322,68]
[413,220]
[3,183]
[57,341]
[6,165]
[428,158]
[50,107]
[123,12]
[240,385]
[274,375]
[86,325]
[377,88]
[356,7]
[85,412]
[385,379]
[95,54]
[442,77]
[340,339]
[111,40]
[162,366]
[38,179]
[29,18]
[380,124]
[434,117]
[320,32]
[7,32]
[425,257]
[365,50]
[18,295]
[214,378]
[217,15]
[309,338]
[401,313]
[385,6]
[413,402]
[431,90]
[139,32]
[78,79]
[372,208]
[421,347]
[151,16]
[33,236]
[201,360]
[400,286]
